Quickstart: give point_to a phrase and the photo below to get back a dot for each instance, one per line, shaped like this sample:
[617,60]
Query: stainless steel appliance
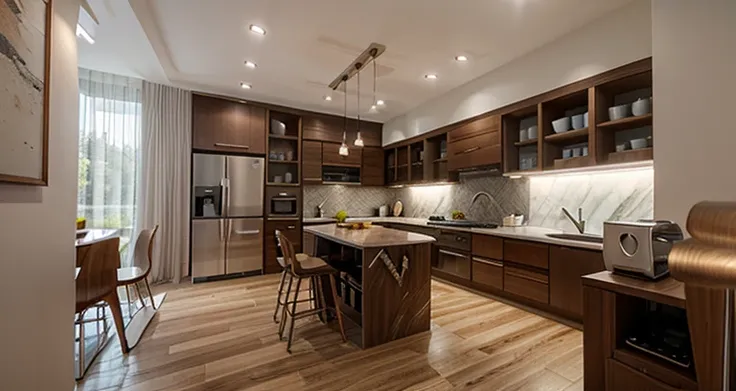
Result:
[453,254]
[283,202]
[639,249]
[228,241]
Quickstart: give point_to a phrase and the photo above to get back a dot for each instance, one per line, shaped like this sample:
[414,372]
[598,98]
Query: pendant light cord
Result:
[358,67]
[345,113]
[375,78]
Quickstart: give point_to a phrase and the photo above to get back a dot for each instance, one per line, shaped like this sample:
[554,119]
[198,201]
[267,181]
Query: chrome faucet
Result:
[490,197]
[579,223]
[320,211]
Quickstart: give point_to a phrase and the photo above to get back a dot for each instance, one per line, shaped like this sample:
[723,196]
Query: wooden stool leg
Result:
[282,325]
[117,316]
[138,292]
[150,295]
[278,295]
[337,307]
[323,302]
[293,311]
[312,295]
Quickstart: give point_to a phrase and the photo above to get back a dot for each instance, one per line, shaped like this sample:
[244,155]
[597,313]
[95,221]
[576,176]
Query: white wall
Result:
[694,56]
[37,240]
[619,38]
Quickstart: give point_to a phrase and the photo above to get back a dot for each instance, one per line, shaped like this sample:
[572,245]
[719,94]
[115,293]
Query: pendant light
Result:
[358,139]
[344,147]
[374,106]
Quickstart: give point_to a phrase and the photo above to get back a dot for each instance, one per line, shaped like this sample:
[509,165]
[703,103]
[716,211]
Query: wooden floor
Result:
[220,336]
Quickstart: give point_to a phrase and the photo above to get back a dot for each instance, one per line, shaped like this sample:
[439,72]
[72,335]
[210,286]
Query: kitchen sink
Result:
[578,237]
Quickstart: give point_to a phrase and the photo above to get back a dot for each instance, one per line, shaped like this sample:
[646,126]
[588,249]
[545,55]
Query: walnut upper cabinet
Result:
[331,156]
[312,162]
[329,128]
[372,169]
[475,144]
[227,126]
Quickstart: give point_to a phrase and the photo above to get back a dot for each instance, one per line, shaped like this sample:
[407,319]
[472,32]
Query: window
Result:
[109,152]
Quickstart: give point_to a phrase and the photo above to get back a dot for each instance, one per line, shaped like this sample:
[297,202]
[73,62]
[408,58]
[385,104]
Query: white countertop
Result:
[375,236]
[536,234]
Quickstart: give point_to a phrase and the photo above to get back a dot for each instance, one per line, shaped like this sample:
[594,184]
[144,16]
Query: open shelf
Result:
[282,184]
[526,142]
[633,155]
[415,164]
[440,160]
[277,137]
[627,123]
[283,161]
[569,137]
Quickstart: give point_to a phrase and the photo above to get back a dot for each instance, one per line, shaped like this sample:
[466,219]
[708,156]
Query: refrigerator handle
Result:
[221,227]
[225,184]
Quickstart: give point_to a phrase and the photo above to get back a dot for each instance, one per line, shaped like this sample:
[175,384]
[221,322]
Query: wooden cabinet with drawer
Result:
[526,253]
[566,267]
[331,156]
[620,377]
[227,126]
[488,272]
[312,162]
[525,283]
[487,246]
[292,229]
[475,144]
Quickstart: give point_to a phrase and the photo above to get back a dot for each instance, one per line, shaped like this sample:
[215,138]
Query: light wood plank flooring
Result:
[220,336]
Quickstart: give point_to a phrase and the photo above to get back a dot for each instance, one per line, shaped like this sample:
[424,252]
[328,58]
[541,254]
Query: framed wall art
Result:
[25,49]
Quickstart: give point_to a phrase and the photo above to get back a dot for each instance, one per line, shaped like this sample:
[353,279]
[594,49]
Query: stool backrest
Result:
[98,273]
[287,248]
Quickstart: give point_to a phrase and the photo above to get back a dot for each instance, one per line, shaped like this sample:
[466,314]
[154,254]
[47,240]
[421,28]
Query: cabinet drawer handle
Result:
[232,145]
[524,277]
[291,227]
[452,254]
[470,150]
[488,262]
[312,179]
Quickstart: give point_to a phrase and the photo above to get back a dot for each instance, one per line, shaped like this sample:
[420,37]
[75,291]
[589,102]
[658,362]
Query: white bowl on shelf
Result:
[585,119]
[277,127]
[619,112]
[523,135]
[578,122]
[561,125]
[641,107]
[532,132]
[639,143]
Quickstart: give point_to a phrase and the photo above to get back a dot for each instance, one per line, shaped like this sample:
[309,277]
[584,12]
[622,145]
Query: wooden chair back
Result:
[98,274]
[287,249]
[143,252]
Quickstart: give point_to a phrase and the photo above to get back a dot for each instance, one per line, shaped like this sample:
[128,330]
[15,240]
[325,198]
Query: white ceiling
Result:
[202,45]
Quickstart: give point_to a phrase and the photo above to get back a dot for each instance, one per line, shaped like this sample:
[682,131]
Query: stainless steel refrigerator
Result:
[227,216]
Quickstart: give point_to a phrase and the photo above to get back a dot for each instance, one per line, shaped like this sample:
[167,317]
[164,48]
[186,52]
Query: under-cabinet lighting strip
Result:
[584,170]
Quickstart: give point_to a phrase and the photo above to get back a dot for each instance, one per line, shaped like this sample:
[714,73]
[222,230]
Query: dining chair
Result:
[142,254]
[314,269]
[97,281]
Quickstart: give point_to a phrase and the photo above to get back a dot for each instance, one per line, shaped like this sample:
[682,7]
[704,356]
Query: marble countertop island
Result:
[375,236]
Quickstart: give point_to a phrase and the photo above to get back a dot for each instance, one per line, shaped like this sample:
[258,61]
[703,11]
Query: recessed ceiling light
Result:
[245,86]
[380,102]
[328,98]
[430,76]
[257,29]
[461,58]
[250,64]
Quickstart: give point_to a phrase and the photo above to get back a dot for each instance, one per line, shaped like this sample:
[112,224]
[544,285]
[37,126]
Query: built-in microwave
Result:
[283,202]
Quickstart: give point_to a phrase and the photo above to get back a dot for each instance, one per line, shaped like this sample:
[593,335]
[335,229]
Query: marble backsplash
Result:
[621,195]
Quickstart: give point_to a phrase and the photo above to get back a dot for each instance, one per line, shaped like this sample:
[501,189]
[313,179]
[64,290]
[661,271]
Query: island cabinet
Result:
[475,144]
[223,125]
[566,267]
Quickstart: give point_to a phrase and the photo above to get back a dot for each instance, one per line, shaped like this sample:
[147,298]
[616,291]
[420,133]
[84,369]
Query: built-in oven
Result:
[453,254]
[283,202]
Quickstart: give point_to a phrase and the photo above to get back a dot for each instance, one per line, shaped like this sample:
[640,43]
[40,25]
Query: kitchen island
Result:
[384,280]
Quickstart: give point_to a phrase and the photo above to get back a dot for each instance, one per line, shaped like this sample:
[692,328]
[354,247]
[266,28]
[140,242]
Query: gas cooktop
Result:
[442,222]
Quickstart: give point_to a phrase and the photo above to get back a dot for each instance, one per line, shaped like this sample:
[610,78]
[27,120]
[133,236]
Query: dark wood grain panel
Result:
[489,124]
[227,126]
[256,129]
[666,291]
[706,314]
[643,363]
[311,162]
[331,155]
[488,272]
[476,151]
[620,377]
[598,336]
[391,311]
[527,253]
[566,267]
[487,246]
[372,168]
[525,283]
[293,231]
[322,127]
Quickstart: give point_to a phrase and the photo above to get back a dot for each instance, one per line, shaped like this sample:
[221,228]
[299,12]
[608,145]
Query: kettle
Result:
[383,211]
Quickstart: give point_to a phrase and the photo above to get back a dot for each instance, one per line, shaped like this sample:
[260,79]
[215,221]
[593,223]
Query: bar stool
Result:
[314,269]
[284,274]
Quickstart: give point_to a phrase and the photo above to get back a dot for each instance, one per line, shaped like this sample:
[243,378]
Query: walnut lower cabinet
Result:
[293,231]
[488,272]
[566,267]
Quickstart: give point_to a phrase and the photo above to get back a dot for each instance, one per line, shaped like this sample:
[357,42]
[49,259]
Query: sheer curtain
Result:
[109,153]
[164,196]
